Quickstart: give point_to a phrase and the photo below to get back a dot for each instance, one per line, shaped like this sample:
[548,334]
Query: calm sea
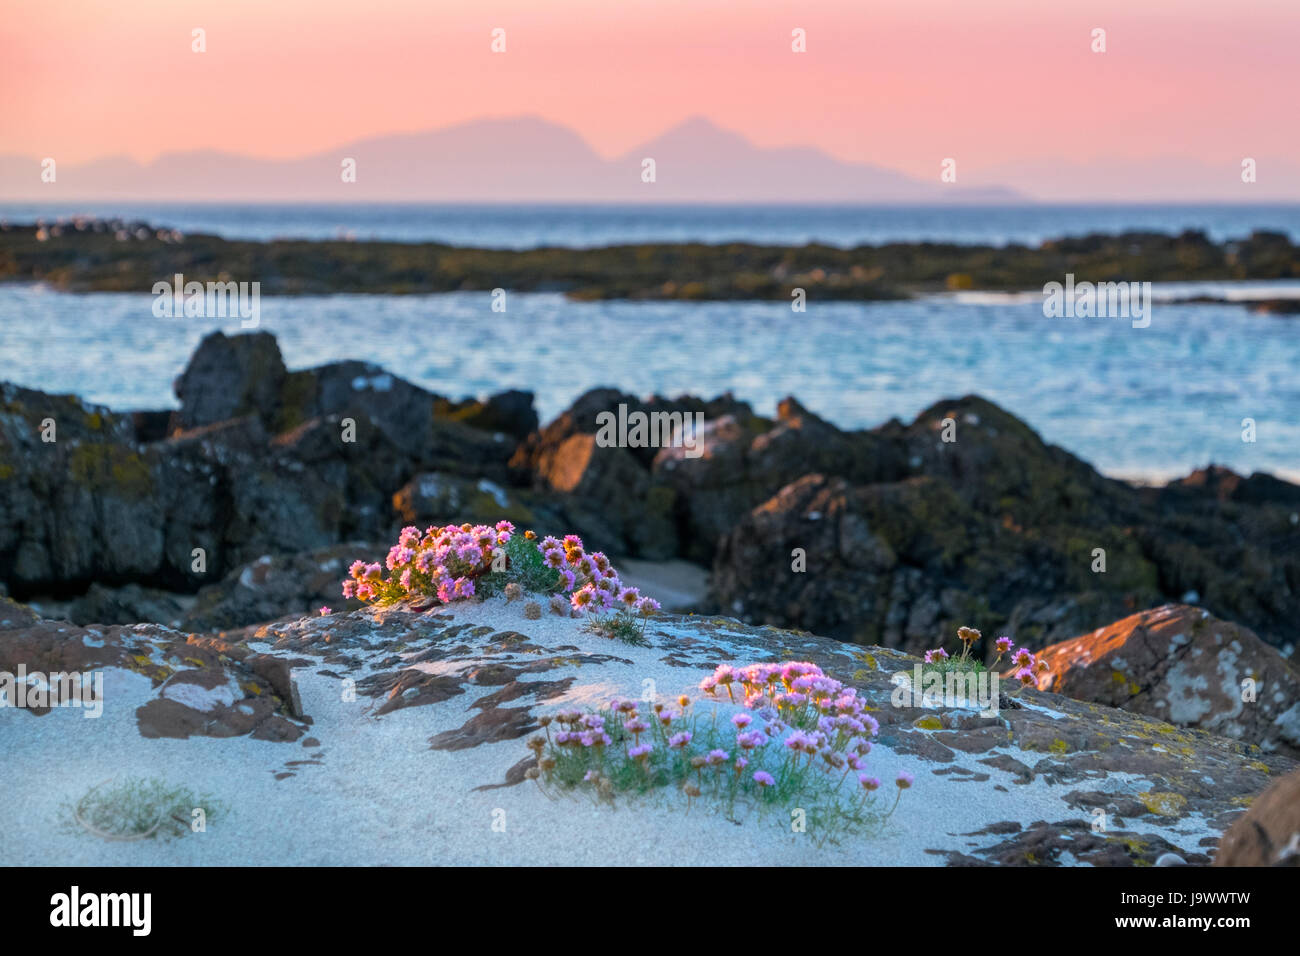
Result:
[1149,403]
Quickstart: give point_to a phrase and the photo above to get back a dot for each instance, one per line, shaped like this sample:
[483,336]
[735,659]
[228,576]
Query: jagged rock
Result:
[1182,665]
[229,377]
[235,376]
[1268,834]
[444,699]
[95,506]
[610,494]
[994,529]
[62,500]
[427,428]
[605,493]
[745,462]
[1224,484]
[1000,531]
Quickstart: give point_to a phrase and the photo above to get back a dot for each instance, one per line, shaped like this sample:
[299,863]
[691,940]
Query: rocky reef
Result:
[130,257]
[894,535]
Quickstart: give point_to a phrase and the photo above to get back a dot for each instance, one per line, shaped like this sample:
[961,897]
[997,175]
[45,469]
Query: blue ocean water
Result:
[1149,403]
[527,226]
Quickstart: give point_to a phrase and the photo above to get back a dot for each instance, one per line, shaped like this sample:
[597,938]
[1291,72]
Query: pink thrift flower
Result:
[583,598]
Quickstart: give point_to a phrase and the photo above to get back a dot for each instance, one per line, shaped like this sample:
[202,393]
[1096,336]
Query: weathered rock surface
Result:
[1268,834]
[998,530]
[196,686]
[258,460]
[745,462]
[417,724]
[1185,666]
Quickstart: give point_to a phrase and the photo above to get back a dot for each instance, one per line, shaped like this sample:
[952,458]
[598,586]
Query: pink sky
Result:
[996,83]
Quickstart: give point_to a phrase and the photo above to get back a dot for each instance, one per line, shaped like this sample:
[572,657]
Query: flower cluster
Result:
[456,562]
[797,735]
[442,562]
[825,719]
[589,579]
[1025,665]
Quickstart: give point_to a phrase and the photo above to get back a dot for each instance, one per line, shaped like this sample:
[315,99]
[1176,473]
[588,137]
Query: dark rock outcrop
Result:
[964,516]
[229,377]
[257,461]
[998,530]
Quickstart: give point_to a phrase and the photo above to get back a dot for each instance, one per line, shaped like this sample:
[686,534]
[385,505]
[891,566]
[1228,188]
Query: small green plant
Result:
[625,625]
[793,743]
[137,808]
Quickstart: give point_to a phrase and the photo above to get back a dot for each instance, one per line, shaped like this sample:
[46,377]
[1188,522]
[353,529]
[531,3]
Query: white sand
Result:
[382,796]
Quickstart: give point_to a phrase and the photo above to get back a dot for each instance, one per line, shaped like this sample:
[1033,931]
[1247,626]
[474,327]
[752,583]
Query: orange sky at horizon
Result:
[998,83]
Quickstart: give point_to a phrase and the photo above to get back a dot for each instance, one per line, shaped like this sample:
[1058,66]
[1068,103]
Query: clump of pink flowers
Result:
[796,738]
[438,562]
[590,579]
[458,562]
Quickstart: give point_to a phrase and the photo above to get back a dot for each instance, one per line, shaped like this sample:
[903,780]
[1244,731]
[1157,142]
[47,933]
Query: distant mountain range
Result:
[521,159]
